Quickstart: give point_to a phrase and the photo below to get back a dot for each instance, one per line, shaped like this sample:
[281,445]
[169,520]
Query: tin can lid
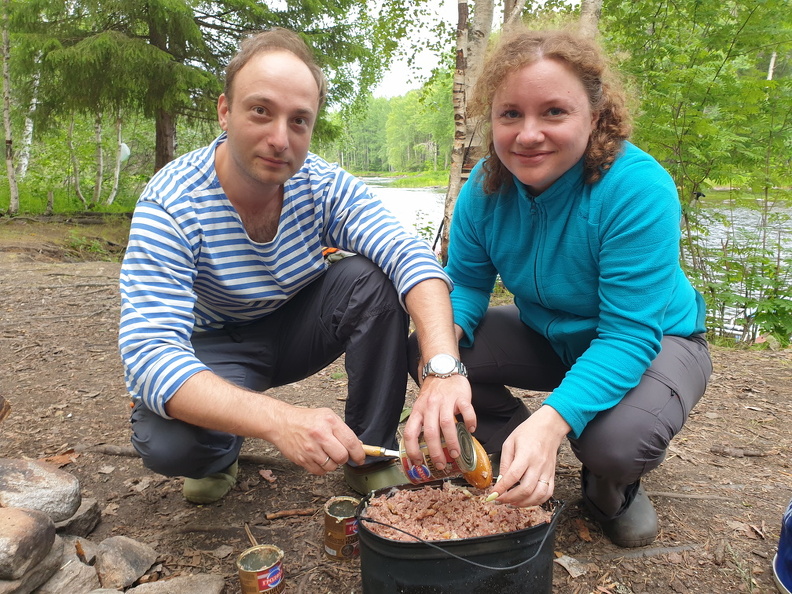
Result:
[467,452]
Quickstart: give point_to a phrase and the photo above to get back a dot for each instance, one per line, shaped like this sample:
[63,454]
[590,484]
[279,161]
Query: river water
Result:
[422,209]
[735,231]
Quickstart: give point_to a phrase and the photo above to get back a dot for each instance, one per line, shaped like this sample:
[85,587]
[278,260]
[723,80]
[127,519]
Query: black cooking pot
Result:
[519,562]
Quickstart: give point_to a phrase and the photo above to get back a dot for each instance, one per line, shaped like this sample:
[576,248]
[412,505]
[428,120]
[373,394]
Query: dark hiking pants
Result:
[619,445]
[353,308]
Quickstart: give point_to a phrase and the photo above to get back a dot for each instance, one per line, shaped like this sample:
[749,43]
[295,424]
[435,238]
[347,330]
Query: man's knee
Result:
[175,448]
[369,282]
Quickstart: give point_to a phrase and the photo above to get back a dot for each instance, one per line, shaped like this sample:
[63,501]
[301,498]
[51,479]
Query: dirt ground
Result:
[720,493]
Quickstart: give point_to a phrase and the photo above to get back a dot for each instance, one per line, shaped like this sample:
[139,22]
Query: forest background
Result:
[99,94]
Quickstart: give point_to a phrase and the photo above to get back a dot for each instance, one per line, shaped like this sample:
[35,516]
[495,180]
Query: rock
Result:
[41,486]
[83,521]
[120,561]
[38,574]
[26,537]
[72,576]
[202,583]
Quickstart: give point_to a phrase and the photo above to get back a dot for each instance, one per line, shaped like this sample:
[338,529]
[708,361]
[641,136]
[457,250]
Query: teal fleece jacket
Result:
[593,267]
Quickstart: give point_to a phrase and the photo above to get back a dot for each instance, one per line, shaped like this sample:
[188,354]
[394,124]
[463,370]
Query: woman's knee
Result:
[623,450]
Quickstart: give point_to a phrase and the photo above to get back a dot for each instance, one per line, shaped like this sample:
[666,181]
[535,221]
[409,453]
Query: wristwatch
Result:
[443,365]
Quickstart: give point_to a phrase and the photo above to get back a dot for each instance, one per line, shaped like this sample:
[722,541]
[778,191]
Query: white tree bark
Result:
[512,11]
[117,167]
[97,192]
[75,163]
[13,205]
[27,133]
[590,11]
[472,38]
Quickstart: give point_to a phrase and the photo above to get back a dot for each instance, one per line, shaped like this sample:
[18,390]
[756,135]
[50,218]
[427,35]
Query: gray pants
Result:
[353,308]
[619,445]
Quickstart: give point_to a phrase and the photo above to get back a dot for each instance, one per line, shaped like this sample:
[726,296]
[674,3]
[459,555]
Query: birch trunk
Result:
[472,38]
[13,204]
[97,192]
[75,163]
[117,168]
[590,11]
[27,133]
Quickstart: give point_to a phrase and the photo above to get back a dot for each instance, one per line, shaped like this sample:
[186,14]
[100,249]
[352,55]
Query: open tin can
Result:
[341,528]
[261,570]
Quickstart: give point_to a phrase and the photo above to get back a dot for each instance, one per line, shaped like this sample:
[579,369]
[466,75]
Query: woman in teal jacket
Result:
[583,229]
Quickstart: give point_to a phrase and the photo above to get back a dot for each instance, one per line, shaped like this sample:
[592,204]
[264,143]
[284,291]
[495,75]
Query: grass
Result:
[421,179]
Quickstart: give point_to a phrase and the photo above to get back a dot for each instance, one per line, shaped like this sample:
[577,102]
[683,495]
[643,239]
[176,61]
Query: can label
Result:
[261,570]
[423,473]
[341,528]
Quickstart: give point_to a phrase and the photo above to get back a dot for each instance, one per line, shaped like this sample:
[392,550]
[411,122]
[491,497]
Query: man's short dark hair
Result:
[273,40]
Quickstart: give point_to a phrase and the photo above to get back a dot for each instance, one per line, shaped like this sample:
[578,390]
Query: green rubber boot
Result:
[210,488]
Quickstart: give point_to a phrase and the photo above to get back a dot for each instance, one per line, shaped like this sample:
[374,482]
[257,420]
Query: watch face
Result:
[442,364]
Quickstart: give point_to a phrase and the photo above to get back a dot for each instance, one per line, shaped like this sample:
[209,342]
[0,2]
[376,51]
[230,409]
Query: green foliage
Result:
[700,68]
[408,133]
[710,115]
[428,179]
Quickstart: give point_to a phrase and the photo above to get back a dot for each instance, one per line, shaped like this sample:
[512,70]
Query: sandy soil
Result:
[720,493]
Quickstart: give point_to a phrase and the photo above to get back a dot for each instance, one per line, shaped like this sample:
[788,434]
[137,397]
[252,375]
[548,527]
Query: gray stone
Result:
[41,486]
[38,575]
[26,536]
[121,561]
[83,521]
[72,576]
[104,591]
[202,583]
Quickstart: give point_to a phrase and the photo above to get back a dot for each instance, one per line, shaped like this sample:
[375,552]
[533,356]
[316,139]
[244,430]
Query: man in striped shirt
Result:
[225,292]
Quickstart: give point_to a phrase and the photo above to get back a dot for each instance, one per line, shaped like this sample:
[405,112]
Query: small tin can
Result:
[261,570]
[341,528]
[423,473]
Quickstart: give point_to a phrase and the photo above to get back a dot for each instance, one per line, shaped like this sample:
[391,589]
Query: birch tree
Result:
[472,36]
[13,207]
[590,11]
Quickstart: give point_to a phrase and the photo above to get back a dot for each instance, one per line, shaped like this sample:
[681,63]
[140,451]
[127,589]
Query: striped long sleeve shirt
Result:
[190,266]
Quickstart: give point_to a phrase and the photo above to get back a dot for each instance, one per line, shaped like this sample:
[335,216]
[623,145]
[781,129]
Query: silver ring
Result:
[325,462]
[544,481]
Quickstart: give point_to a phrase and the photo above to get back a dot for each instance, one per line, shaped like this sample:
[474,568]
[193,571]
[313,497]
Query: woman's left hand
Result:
[528,459]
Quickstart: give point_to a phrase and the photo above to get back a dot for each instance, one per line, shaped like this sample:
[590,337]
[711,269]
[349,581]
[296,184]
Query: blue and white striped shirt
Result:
[190,265]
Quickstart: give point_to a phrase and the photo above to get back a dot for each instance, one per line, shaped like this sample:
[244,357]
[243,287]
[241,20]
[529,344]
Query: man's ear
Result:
[222,111]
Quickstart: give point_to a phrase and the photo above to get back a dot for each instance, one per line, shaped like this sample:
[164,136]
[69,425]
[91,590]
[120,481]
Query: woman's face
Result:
[541,123]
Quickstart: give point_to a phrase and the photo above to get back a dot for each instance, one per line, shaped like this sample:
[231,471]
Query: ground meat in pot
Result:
[450,512]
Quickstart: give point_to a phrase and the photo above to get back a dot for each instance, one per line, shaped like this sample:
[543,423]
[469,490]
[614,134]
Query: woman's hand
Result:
[528,459]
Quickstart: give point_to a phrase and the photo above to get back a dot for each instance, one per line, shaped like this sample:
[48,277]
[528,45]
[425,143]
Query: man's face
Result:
[269,125]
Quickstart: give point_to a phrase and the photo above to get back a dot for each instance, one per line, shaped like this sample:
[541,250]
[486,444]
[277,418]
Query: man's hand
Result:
[316,439]
[434,413]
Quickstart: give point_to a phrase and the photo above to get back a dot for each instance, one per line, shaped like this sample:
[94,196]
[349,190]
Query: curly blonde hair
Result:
[581,55]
